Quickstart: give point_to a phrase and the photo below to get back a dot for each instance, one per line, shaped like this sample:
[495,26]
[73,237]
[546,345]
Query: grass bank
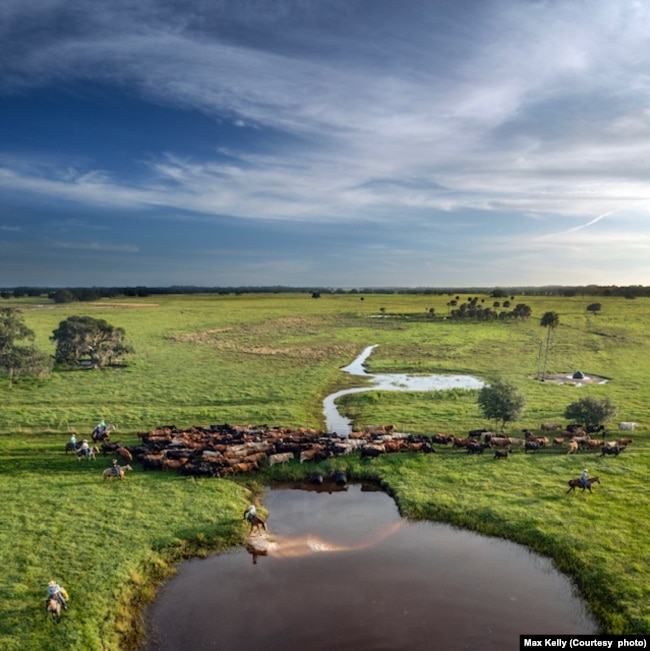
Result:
[272,359]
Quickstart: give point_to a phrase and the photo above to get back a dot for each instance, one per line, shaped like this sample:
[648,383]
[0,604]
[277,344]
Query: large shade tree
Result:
[83,340]
[550,321]
[501,402]
[591,411]
[18,356]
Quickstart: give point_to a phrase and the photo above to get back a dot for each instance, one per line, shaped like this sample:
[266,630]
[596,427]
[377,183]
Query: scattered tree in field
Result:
[550,320]
[501,402]
[591,411]
[594,308]
[18,358]
[522,311]
[63,296]
[84,340]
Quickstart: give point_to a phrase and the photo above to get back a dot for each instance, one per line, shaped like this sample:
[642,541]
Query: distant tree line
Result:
[70,294]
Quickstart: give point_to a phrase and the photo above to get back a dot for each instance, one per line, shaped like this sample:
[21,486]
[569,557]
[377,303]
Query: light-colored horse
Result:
[53,607]
[92,453]
[109,473]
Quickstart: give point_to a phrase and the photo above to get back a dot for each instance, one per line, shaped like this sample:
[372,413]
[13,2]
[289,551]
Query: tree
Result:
[591,411]
[522,311]
[62,296]
[501,401]
[17,358]
[550,320]
[83,339]
[594,308]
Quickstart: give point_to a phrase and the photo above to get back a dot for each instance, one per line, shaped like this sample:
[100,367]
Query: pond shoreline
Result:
[338,538]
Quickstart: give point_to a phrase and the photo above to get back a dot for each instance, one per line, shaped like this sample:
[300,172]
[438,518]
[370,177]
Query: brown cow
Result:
[247,466]
[124,454]
[173,464]
[308,455]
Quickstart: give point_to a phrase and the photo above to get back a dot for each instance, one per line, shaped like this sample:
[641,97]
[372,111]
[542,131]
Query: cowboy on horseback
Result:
[55,590]
[85,448]
[583,479]
[73,441]
[116,468]
[250,512]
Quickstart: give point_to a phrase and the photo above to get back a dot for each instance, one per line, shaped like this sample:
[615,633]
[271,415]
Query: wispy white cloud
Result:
[96,247]
[537,111]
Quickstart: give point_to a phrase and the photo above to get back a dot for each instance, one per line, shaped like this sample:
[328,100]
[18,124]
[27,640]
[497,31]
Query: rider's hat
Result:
[52,583]
[585,470]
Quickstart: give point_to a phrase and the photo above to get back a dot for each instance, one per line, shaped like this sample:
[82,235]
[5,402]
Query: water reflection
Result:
[348,573]
[335,422]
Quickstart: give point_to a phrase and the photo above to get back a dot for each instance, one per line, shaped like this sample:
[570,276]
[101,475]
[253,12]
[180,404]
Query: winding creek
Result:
[335,422]
[341,569]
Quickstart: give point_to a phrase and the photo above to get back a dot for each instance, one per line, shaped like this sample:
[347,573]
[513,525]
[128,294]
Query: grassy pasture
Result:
[272,359]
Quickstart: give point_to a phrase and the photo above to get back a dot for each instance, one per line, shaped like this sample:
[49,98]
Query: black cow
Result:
[533,446]
[612,449]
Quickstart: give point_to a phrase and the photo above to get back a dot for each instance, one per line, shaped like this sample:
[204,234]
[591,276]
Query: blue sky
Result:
[339,143]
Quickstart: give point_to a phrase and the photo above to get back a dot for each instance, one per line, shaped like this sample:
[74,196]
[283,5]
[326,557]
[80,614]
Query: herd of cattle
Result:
[222,450]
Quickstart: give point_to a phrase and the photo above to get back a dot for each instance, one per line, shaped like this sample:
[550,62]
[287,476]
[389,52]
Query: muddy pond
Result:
[344,571]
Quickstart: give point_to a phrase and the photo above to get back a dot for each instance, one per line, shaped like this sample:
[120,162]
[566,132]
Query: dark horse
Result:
[100,435]
[577,483]
[53,607]
[256,523]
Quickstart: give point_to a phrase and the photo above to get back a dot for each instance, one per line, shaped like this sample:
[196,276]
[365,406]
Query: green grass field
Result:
[272,359]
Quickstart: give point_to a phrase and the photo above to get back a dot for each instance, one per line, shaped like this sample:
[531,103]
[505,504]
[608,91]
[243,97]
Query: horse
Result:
[53,607]
[92,453]
[103,435]
[577,483]
[109,473]
[256,523]
[70,447]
